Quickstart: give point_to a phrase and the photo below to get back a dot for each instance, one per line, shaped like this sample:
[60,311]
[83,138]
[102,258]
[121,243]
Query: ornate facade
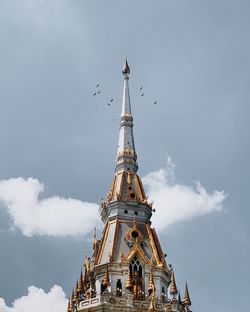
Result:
[128,270]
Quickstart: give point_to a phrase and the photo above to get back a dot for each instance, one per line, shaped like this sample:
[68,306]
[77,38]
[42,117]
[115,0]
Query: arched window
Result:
[136,271]
[135,266]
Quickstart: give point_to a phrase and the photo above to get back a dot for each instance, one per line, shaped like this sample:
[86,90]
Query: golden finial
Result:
[106,280]
[186,301]
[151,284]
[80,283]
[87,264]
[129,284]
[173,288]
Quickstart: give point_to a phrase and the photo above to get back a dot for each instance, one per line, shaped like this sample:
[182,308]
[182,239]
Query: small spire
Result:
[80,283]
[126,154]
[129,283]
[126,69]
[186,300]
[106,280]
[72,295]
[69,309]
[76,293]
[173,288]
[151,285]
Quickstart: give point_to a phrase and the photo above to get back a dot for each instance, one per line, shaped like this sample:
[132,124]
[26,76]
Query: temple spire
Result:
[186,299]
[106,280]
[173,288]
[129,283]
[126,155]
[151,285]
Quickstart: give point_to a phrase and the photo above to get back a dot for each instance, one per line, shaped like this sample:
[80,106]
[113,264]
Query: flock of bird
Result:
[98,92]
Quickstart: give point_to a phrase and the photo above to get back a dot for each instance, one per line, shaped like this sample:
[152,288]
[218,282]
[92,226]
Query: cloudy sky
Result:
[58,142]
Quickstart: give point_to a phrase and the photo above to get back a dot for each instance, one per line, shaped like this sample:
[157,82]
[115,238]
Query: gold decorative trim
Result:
[159,249]
[137,249]
[142,188]
[138,185]
[136,229]
[126,151]
[121,186]
[104,236]
[112,189]
[152,244]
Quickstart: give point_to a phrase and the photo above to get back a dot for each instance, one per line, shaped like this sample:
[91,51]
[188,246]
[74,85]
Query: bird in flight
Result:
[97,85]
[94,94]
[99,92]
[141,88]
[155,102]
[111,100]
[142,94]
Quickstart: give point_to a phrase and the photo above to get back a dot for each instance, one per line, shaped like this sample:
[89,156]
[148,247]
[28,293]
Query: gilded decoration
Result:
[136,249]
[104,236]
[134,233]
[173,288]
[152,244]
[129,183]
[127,152]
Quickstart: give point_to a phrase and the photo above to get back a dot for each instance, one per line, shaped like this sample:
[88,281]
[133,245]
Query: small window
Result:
[118,288]
[132,195]
[136,213]
[103,288]
[126,211]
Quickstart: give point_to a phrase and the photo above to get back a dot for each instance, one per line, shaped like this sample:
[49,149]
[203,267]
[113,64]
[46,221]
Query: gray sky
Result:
[193,58]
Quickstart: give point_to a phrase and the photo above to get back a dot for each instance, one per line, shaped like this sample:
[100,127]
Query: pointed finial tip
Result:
[126,69]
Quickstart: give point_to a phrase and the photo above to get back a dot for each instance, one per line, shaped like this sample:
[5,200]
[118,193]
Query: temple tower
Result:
[128,270]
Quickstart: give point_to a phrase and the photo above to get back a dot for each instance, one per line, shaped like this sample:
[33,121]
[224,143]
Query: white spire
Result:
[126,155]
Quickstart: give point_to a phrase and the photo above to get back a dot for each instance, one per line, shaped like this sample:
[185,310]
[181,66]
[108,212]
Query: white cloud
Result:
[38,300]
[176,202]
[60,216]
[49,216]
